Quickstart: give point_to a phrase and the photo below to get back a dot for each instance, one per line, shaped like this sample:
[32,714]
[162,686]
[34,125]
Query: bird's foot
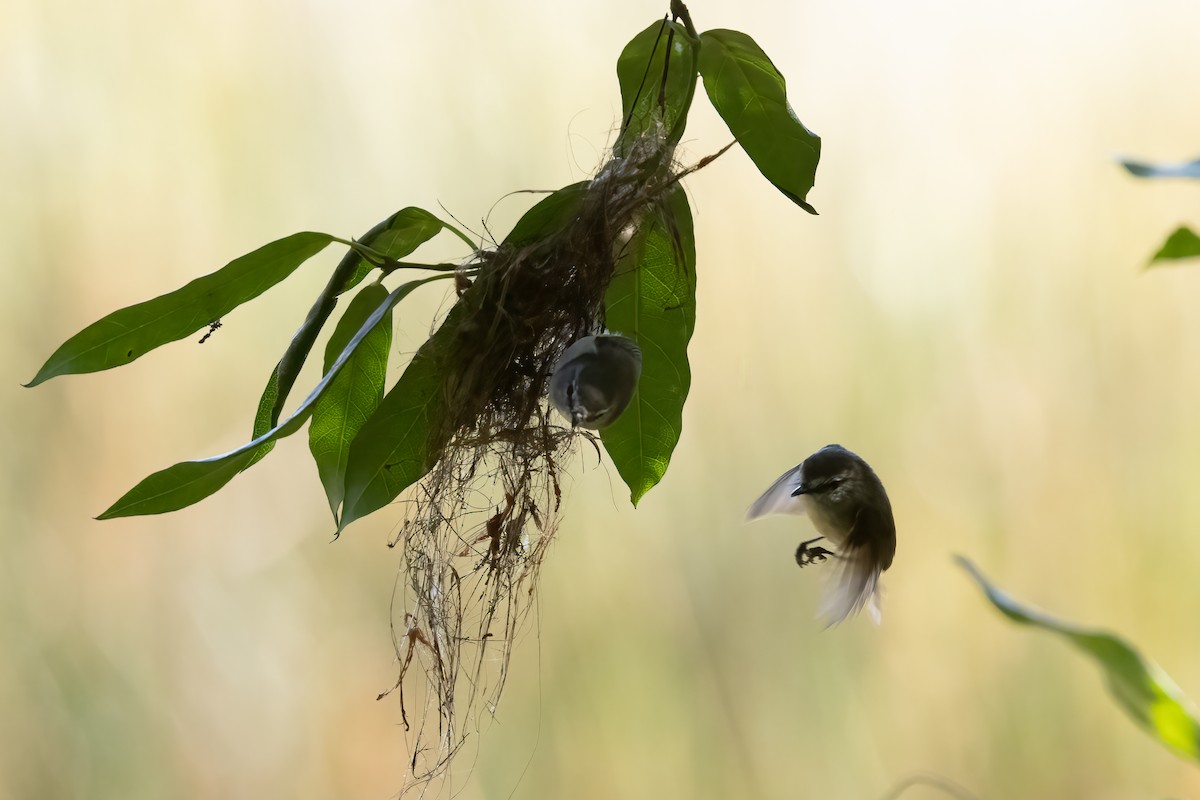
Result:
[805,554]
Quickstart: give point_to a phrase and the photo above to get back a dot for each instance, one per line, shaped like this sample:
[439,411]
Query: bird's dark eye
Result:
[827,486]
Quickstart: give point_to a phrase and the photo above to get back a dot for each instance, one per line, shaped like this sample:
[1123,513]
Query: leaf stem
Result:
[387,264]
[679,12]
[460,235]
[701,164]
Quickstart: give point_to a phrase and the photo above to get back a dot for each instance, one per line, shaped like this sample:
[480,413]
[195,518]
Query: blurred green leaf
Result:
[128,334]
[395,237]
[354,394]
[652,300]
[549,215]
[188,482]
[1144,169]
[750,95]
[646,99]
[1147,694]
[1183,243]
[402,440]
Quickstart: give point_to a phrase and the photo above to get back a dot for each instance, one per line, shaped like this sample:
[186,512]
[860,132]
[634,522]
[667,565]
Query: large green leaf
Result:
[188,482]
[354,394]
[395,237]
[652,300]
[403,439]
[1183,243]
[549,215]
[1143,169]
[1140,687]
[130,333]
[647,100]
[750,95]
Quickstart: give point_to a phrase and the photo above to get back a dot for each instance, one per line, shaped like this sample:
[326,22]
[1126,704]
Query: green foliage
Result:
[1183,243]
[750,95]
[548,216]
[185,483]
[652,300]
[655,93]
[354,394]
[1140,687]
[394,238]
[370,444]
[401,441]
[128,334]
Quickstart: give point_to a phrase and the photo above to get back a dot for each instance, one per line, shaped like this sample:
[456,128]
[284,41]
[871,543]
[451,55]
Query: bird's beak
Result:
[801,489]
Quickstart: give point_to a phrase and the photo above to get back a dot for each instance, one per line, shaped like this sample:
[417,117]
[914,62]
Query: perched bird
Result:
[594,380]
[848,506]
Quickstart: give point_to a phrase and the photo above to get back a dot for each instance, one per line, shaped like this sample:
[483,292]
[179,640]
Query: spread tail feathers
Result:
[853,585]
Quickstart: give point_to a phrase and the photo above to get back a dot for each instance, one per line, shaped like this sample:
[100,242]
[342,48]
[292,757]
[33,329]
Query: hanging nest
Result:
[482,520]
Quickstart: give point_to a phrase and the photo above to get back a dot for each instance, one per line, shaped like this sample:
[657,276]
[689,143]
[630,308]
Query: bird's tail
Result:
[854,585]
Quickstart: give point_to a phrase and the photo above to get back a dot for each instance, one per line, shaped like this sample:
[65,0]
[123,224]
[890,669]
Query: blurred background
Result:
[969,313]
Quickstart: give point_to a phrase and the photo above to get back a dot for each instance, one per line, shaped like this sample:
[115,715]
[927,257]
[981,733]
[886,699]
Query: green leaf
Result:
[395,237]
[1140,687]
[1143,169]
[1183,243]
[750,95]
[262,418]
[128,334]
[403,439]
[647,100]
[354,395]
[188,482]
[652,300]
[549,215]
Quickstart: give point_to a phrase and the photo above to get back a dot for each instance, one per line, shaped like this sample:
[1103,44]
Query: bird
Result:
[594,380]
[849,508]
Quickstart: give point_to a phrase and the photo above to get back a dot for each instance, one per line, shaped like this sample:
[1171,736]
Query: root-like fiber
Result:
[481,521]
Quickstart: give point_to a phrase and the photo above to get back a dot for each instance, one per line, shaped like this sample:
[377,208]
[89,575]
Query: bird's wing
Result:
[778,499]
[623,344]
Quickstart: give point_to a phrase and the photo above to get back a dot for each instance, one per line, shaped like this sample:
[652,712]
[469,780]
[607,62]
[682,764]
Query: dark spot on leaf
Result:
[129,354]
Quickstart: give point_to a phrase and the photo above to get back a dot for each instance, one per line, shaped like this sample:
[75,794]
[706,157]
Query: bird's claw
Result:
[806,555]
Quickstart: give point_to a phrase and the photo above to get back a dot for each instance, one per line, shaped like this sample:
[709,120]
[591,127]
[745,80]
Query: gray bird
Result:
[594,380]
[849,507]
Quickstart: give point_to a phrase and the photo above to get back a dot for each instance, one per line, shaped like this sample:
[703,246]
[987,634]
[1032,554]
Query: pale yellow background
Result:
[969,312]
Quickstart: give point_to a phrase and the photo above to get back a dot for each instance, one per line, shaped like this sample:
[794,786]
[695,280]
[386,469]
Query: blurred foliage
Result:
[1183,243]
[1140,687]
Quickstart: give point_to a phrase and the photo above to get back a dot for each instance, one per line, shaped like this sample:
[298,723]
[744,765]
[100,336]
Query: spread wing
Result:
[778,499]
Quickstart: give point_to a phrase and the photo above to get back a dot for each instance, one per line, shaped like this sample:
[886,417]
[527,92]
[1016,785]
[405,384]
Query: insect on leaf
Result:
[129,333]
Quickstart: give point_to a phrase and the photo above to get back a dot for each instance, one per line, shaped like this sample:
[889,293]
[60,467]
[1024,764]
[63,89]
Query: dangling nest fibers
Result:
[467,585]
